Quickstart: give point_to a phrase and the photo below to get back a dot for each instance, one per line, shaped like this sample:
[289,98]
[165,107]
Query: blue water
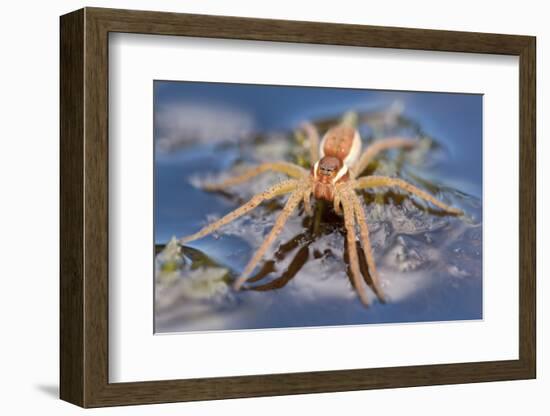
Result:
[203,130]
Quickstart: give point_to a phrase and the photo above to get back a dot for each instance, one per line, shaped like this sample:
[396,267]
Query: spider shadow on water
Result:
[324,221]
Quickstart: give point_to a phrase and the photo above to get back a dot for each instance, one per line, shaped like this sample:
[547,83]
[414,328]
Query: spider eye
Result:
[327,171]
[328,166]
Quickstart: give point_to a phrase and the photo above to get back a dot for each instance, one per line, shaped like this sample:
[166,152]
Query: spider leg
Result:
[380,181]
[307,202]
[367,249]
[377,147]
[313,138]
[337,203]
[349,222]
[281,220]
[278,189]
[290,169]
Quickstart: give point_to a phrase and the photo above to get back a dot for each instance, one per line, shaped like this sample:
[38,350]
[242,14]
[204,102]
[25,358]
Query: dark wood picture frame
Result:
[84,207]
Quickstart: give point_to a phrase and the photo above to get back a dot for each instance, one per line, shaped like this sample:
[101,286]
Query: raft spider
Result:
[334,177]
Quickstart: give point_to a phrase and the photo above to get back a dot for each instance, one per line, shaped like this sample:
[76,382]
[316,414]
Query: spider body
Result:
[337,163]
[339,149]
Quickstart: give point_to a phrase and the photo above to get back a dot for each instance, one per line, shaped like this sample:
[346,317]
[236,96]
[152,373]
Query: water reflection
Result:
[429,263]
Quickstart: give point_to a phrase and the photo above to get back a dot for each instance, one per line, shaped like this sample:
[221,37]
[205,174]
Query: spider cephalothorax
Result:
[336,165]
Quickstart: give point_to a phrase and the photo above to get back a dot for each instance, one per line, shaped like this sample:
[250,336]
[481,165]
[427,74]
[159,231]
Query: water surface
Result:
[429,263]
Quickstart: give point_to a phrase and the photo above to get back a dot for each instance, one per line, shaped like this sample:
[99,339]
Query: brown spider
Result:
[334,178]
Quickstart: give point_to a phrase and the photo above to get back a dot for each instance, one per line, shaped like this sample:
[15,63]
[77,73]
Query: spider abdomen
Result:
[342,142]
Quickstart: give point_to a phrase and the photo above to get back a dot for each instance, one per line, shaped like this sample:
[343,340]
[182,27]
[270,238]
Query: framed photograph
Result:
[255,207]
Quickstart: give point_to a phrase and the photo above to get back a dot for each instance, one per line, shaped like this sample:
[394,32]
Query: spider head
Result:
[327,172]
[327,168]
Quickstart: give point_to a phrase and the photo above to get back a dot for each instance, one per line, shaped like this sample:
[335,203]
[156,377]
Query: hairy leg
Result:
[313,138]
[365,242]
[377,147]
[381,181]
[289,208]
[307,202]
[279,189]
[349,222]
[337,203]
[290,169]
